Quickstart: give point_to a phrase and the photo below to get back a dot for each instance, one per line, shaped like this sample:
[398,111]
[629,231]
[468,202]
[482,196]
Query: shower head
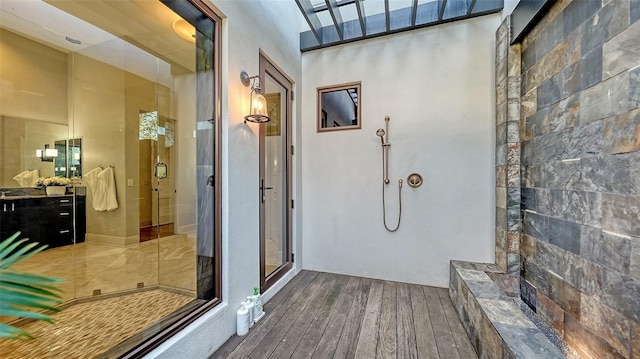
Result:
[380,133]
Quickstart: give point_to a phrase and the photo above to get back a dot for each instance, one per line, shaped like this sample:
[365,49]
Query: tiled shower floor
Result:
[86,330]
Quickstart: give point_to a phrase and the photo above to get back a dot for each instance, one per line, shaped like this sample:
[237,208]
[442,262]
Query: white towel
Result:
[31,177]
[108,182]
[102,186]
[20,178]
[26,178]
[91,178]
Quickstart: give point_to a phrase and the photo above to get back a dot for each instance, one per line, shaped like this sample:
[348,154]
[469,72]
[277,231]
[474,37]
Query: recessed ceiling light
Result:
[184,30]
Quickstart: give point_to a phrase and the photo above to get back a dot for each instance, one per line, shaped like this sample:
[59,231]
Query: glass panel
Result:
[112,86]
[274,188]
[456,8]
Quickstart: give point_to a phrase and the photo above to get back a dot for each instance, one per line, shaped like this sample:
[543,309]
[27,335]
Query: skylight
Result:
[334,22]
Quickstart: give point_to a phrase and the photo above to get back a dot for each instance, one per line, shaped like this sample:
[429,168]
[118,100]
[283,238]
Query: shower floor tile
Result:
[88,329]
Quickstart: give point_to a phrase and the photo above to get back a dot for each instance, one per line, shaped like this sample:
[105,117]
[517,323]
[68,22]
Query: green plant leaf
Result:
[45,290]
[13,312]
[21,292]
[8,331]
[8,249]
[20,255]
[26,278]
[29,300]
[8,241]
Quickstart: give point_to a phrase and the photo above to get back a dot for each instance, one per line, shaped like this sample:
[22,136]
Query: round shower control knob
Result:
[414,180]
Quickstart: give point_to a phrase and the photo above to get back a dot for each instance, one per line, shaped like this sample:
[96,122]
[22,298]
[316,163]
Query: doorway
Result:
[275,176]
[157,185]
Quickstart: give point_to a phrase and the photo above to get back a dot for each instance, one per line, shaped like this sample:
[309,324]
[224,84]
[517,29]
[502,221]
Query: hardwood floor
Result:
[323,315]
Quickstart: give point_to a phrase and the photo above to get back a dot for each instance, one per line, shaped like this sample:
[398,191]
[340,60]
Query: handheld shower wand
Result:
[385,169]
[385,174]
[380,133]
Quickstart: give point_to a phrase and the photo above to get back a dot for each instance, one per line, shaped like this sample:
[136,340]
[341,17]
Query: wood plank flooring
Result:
[323,315]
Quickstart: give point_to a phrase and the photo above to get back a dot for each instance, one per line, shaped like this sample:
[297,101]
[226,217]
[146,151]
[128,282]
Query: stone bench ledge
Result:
[493,321]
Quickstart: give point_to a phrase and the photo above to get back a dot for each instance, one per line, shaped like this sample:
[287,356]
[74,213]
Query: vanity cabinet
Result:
[15,215]
[46,220]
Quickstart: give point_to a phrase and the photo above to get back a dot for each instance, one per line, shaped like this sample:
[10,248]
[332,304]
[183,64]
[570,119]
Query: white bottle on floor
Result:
[249,305]
[257,305]
[242,320]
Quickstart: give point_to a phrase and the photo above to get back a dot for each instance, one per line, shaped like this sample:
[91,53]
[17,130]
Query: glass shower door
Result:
[163,198]
[275,182]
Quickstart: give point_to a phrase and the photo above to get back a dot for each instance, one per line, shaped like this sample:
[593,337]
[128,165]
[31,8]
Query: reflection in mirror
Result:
[60,162]
[338,107]
[74,155]
[19,139]
[69,161]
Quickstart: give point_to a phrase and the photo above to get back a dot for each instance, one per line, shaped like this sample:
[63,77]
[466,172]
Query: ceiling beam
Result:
[414,12]
[473,4]
[312,18]
[361,16]
[332,6]
[387,17]
[443,6]
[525,16]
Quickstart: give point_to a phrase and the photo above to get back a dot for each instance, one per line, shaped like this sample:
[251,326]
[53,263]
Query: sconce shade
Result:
[51,152]
[47,154]
[258,113]
[257,103]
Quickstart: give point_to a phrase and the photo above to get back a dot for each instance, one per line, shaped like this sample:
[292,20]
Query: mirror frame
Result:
[333,88]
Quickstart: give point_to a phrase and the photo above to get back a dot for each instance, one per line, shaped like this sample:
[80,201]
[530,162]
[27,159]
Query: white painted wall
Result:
[248,26]
[437,85]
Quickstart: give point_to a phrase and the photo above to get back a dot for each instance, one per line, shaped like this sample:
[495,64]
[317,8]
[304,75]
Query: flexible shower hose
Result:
[384,208]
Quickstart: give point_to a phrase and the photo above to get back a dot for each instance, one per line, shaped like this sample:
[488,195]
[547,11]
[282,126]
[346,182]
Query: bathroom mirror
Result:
[60,162]
[339,107]
[19,139]
[74,158]
[69,161]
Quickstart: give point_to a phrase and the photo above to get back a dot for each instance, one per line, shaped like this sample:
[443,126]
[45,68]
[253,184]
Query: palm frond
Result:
[13,332]
[22,294]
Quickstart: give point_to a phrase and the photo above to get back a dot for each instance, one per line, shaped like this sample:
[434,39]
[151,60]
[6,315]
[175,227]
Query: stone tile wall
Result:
[508,222]
[580,174]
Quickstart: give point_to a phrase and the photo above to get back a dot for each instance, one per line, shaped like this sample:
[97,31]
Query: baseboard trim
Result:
[113,240]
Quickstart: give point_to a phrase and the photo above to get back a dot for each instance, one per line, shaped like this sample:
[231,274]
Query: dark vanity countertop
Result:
[9,198]
[22,192]
[29,192]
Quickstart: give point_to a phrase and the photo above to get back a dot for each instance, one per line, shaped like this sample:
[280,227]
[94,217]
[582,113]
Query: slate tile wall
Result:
[508,157]
[579,136]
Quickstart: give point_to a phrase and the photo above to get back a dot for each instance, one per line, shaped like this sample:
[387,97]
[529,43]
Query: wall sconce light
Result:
[47,154]
[257,102]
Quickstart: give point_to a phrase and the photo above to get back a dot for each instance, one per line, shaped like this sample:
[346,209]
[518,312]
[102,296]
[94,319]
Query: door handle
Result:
[263,195]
